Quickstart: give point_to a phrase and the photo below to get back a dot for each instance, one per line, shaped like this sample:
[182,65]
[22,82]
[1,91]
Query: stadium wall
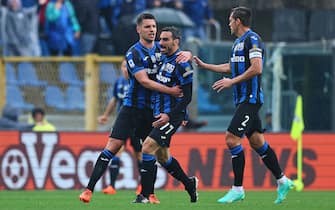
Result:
[64,160]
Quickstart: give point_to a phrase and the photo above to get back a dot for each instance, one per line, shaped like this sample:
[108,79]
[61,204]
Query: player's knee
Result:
[114,145]
[162,160]
[232,140]
[149,146]
[256,140]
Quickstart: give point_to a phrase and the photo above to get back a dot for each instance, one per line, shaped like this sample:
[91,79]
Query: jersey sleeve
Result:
[115,89]
[134,62]
[184,73]
[255,48]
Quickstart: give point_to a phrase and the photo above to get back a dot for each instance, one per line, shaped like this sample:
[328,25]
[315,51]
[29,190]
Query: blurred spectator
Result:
[30,7]
[199,12]
[123,15]
[124,8]
[106,13]
[175,4]
[62,28]
[268,121]
[87,12]
[41,25]
[40,122]
[9,120]
[19,29]
[154,4]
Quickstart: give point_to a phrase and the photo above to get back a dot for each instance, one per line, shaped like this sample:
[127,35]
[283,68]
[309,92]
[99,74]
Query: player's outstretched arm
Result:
[220,68]
[103,119]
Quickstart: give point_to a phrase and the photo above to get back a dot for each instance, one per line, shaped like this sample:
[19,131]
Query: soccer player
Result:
[119,92]
[169,112]
[246,65]
[143,60]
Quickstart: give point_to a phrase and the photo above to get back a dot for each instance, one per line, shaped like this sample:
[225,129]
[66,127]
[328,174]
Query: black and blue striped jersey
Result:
[246,47]
[120,90]
[140,58]
[171,74]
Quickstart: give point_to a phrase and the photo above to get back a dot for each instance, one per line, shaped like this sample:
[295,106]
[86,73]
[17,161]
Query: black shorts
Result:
[132,123]
[136,143]
[163,134]
[246,120]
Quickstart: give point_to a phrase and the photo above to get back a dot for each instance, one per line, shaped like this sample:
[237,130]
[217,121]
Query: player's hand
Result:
[77,35]
[184,122]
[102,120]
[176,91]
[184,56]
[198,61]
[222,84]
[162,119]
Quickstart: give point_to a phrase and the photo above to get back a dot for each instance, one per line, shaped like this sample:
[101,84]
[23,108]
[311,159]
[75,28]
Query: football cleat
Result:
[86,196]
[109,190]
[153,199]
[192,189]
[141,199]
[282,190]
[232,196]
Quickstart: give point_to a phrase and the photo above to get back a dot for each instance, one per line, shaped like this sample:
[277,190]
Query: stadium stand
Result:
[54,98]
[324,30]
[289,25]
[68,74]
[11,78]
[27,75]
[15,99]
[107,73]
[75,98]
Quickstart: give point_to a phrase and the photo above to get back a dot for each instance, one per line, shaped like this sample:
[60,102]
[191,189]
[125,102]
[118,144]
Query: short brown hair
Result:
[242,13]
[144,16]
[174,31]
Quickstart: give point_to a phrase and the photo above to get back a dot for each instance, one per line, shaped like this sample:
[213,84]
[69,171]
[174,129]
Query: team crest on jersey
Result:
[153,59]
[239,46]
[158,56]
[168,67]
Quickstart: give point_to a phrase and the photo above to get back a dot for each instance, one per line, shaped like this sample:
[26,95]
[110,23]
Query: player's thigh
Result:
[124,124]
[143,121]
[136,143]
[244,119]
[163,134]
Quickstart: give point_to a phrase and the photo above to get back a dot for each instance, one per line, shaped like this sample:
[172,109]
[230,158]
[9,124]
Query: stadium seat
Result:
[11,75]
[54,98]
[107,73]
[15,98]
[68,74]
[75,98]
[27,76]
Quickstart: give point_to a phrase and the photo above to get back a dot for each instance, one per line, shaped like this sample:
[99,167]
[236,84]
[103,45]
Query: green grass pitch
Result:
[170,200]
